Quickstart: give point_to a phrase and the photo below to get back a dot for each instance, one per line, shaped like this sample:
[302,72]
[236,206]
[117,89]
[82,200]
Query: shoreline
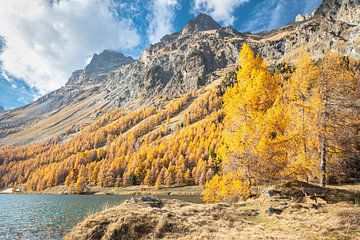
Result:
[129,191]
[308,211]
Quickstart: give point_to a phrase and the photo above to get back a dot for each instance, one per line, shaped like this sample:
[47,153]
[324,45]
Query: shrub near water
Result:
[229,187]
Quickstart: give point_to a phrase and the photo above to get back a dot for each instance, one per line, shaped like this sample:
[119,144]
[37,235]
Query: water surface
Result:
[46,217]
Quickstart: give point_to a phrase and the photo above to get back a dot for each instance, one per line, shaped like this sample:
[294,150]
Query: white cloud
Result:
[220,10]
[161,19]
[45,42]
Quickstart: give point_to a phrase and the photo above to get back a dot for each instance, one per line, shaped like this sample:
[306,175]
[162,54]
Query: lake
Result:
[45,217]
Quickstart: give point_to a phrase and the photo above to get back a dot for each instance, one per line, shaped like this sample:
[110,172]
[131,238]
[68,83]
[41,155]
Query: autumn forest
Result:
[259,125]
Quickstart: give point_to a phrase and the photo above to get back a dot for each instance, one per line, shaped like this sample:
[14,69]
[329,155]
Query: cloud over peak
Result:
[45,42]
[161,19]
[222,11]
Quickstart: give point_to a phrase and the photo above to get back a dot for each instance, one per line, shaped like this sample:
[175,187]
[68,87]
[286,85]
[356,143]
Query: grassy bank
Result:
[132,190]
[291,211]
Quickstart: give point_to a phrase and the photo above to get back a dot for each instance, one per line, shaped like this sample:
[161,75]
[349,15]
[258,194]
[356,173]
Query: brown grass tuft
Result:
[349,217]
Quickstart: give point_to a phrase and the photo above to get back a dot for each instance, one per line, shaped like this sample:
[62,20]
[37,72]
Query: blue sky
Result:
[45,42]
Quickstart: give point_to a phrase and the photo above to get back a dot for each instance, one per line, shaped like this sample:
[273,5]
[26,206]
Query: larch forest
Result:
[258,126]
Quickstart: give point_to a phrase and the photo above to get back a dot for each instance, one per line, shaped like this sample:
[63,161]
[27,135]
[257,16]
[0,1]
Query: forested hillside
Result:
[267,124]
[170,146]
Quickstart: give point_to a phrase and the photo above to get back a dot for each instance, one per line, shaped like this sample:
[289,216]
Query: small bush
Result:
[227,188]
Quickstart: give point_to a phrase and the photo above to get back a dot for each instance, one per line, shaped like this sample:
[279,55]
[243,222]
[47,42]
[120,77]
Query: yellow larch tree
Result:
[253,141]
[246,106]
[304,98]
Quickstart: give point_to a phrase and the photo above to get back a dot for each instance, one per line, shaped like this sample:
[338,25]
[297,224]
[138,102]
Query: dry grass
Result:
[244,220]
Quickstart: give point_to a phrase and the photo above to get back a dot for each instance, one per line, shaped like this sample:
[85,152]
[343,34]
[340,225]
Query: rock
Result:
[302,18]
[2,109]
[149,199]
[272,210]
[270,192]
[152,202]
[299,18]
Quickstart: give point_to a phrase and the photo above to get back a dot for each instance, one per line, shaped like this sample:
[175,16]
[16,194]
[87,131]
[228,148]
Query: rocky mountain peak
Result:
[202,22]
[106,61]
[100,64]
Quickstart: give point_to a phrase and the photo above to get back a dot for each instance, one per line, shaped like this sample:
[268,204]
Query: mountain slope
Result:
[180,63]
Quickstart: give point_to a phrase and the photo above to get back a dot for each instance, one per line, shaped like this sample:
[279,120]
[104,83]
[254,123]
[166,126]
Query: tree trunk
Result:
[323,132]
[303,133]
[323,150]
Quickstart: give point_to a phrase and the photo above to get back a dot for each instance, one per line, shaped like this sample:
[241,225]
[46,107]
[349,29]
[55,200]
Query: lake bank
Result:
[131,190]
[285,213]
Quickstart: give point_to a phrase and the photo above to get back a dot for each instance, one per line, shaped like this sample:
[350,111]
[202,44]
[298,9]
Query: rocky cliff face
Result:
[340,10]
[179,63]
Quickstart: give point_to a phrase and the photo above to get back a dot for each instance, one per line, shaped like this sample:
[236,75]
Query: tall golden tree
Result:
[254,138]
[304,97]
[248,123]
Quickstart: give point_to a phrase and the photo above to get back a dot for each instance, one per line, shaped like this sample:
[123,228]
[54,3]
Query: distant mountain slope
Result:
[180,63]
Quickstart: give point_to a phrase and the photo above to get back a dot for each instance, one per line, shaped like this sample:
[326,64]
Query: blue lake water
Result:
[46,217]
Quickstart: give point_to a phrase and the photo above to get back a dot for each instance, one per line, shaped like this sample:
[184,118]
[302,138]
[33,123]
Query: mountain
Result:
[202,22]
[182,62]
[98,68]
